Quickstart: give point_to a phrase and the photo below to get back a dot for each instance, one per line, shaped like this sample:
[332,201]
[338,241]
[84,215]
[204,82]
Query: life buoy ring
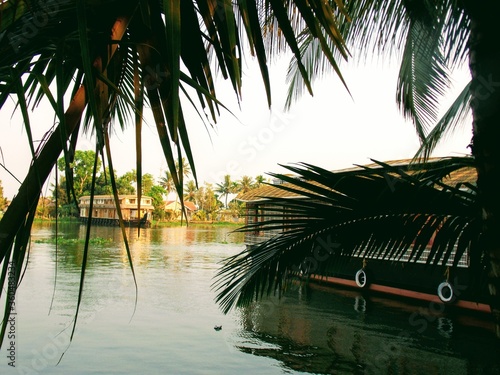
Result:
[361,278]
[445,292]
[360,304]
[445,327]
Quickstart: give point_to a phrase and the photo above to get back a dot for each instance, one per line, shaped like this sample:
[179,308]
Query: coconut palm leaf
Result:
[114,59]
[423,76]
[381,211]
[429,37]
[454,117]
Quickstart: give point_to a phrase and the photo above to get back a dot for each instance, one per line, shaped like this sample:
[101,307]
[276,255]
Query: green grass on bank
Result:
[71,241]
[154,223]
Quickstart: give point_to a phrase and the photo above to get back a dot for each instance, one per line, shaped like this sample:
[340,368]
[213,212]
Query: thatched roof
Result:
[466,175]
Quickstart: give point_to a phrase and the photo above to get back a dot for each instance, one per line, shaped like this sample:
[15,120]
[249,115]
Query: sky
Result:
[332,129]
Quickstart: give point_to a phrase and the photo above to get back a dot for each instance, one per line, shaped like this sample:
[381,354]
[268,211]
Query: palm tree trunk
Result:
[29,192]
[30,189]
[485,70]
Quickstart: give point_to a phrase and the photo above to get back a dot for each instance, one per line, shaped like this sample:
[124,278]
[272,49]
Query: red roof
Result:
[190,206]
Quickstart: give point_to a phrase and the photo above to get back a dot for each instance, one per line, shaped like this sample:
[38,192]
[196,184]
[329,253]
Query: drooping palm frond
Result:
[378,211]
[454,117]
[429,37]
[371,26]
[423,76]
[313,56]
[311,52]
[115,59]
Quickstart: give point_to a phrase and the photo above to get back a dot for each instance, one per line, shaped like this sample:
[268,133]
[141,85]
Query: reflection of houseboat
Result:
[395,276]
[104,210]
[317,330]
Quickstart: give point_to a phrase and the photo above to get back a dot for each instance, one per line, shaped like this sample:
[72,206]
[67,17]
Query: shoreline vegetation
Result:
[100,241]
[154,223]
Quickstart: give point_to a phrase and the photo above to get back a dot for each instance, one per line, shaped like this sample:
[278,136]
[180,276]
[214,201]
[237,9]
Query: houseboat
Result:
[371,273]
[104,210]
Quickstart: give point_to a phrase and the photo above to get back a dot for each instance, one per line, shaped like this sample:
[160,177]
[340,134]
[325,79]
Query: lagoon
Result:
[168,327]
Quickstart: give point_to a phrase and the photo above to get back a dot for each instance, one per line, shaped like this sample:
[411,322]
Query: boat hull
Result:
[115,222]
[441,285]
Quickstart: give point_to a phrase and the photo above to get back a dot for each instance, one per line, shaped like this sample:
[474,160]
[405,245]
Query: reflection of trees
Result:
[109,253]
[164,247]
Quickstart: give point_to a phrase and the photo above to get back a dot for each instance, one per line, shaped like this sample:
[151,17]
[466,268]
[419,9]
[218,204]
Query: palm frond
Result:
[454,117]
[318,54]
[101,53]
[381,211]
[456,34]
[430,37]
[423,77]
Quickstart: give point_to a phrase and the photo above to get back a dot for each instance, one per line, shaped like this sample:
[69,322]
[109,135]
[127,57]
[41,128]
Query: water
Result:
[169,329]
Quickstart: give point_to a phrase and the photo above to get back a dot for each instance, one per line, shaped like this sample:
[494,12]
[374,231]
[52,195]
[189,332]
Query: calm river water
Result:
[171,328]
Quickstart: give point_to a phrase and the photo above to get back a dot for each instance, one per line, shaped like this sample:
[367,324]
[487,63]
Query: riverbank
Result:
[154,223]
[162,224]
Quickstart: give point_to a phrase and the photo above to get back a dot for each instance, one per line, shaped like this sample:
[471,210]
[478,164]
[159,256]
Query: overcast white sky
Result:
[331,129]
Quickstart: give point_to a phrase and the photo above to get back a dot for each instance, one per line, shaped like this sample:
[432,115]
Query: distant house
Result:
[45,208]
[104,210]
[174,208]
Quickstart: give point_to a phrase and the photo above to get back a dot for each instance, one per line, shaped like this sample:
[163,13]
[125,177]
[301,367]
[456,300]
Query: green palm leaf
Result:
[381,211]
[429,37]
[112,58]
[454,117]
[423,77]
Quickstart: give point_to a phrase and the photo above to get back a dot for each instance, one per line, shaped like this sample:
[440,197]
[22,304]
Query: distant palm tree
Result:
[259,181]
[184,167]
[207,201]
[190,191]
[225,188]
[245,184]
[167,182]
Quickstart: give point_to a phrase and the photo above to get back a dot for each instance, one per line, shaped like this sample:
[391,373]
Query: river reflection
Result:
[168,326]
[317,330]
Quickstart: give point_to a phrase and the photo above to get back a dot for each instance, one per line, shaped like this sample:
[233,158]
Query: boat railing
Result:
[254,238]
[424,257]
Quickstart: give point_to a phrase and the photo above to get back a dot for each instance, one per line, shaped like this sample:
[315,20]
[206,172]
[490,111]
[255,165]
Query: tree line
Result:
[210,199]
[3,200]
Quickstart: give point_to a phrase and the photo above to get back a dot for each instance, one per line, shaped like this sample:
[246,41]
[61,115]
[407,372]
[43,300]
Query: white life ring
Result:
[360,304]
[361,278]
[445,292]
